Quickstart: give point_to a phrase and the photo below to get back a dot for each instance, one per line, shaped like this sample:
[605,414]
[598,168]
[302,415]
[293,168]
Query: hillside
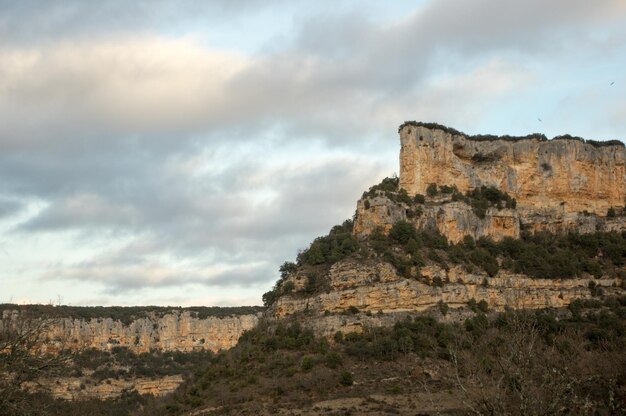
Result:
[454,230]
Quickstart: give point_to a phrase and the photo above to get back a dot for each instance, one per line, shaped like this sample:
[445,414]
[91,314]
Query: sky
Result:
[176,153]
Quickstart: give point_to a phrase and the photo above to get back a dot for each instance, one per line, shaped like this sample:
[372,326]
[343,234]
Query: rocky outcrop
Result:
[453,219]
[376,290]
[173,331]
[564,175]
[561,185]
[456,219]
[83,388]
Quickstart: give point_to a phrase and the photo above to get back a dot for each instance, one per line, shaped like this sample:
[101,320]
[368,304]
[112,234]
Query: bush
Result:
[483,306]
[611,213]
[346,378]
[402,231]
[338,244]
[289,287]
[443,307]
[431,189]
[307,363]
[333,359]
[419,199]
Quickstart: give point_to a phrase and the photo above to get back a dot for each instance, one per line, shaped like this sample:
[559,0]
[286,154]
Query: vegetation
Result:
[286,367]
[541,255]
[480,199]
[121,363]
[125,314]
[489,137]
[322,253]
[338,244]
[591,142]
[24,362]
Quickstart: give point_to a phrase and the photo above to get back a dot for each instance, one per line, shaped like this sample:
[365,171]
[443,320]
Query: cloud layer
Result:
[150,158]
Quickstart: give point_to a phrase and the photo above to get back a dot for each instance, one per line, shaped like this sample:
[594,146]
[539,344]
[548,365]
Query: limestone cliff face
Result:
[175,331]
[83,388]
[457,219]
[376,289]
[564,175]
[453,219]
[560,185]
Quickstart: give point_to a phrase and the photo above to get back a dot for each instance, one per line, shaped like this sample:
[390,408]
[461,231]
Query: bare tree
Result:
[511,370]
[24,359]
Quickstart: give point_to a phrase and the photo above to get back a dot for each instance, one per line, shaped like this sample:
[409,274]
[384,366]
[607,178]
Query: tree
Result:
[24,360]
[512,370]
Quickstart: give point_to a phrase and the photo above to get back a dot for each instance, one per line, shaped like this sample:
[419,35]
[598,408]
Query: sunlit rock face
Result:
[563,176]
[561,185]
[82,388]
[374,287]
[175,331]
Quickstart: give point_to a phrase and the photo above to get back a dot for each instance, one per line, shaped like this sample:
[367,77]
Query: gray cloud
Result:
[9,206]
[210,158]
[34,20]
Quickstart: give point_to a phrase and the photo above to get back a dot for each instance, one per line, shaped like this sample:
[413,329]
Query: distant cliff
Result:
[163,329]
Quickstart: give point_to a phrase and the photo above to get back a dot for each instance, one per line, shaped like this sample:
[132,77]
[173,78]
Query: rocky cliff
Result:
[373,293]
[456,219]
[83,388]
[553,212]
[564,174]
[560,185]
[176,330]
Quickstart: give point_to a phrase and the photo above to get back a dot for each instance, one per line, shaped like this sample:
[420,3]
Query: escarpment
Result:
[500,222]
[166,330]
[563,175]
[560,185]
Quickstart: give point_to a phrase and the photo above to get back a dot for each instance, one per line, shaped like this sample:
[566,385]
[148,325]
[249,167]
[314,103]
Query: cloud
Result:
[9,207]
[209,166]
[118,87]
[37,20]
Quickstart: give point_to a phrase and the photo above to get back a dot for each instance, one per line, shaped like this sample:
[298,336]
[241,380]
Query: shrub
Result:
[312,283]
[445,189]
[443,307]
[307,363]
[437,281]
[431,189]
[346,378]
[404,197]
[402,232]
[333,359]
[288,287]
[419,199]
[611,213]
[483,306]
